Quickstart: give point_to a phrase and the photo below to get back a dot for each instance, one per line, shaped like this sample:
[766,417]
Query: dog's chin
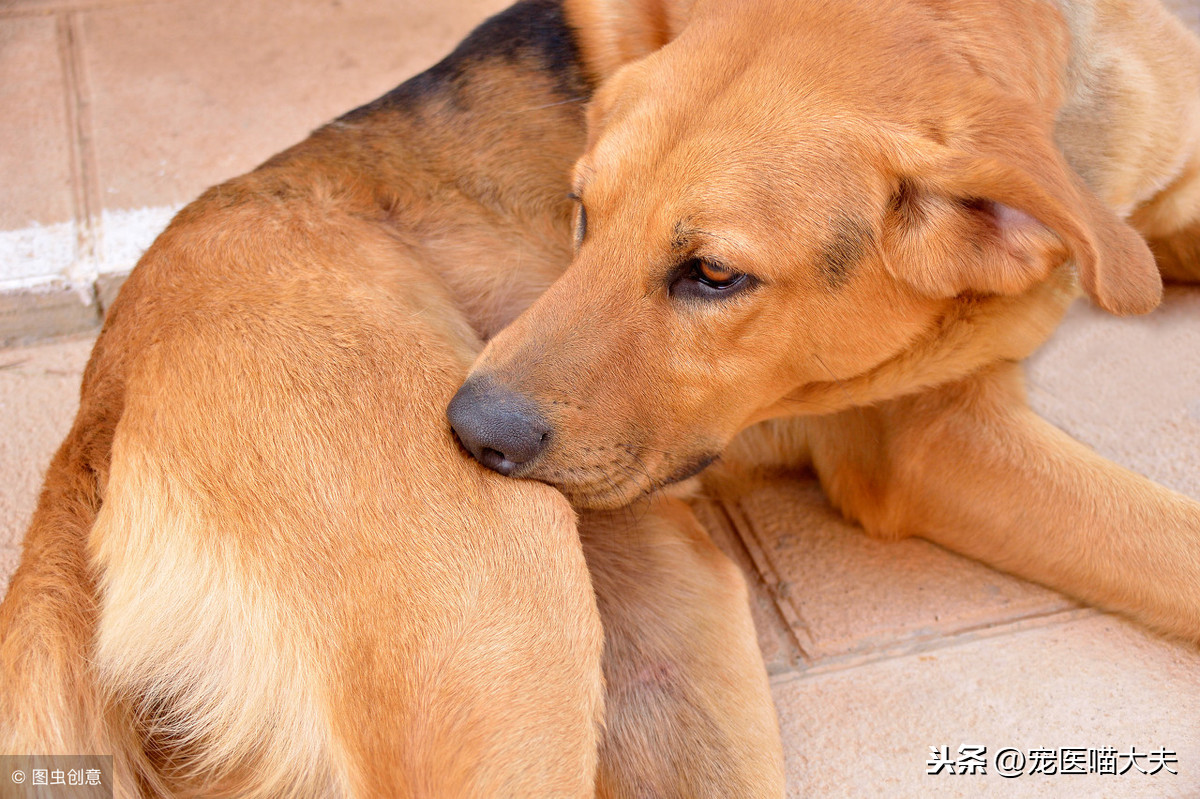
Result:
[611,492]
[596,498]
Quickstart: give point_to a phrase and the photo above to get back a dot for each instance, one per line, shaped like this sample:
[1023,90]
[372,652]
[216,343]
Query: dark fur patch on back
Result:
[532,35]
[851,243]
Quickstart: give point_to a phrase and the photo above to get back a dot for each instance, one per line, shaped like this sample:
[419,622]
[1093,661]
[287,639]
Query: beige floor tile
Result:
[1100,682]
[187,94]
[37,228]
[34,136]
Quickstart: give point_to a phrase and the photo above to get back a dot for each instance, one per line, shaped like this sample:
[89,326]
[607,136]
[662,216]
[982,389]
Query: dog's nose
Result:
[501,428]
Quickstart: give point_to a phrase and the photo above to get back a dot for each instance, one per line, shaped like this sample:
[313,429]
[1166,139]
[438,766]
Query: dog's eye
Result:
[580,219]
[715,275]
[698,277]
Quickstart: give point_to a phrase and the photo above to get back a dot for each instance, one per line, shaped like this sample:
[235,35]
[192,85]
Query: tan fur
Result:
[918,188]
[681,649]
[261,567]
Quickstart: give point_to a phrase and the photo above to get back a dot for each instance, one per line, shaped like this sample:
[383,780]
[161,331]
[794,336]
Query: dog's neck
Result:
[469,162]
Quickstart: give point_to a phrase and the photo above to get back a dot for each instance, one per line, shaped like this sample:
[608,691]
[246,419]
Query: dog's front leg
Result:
[971,467]
[688,711]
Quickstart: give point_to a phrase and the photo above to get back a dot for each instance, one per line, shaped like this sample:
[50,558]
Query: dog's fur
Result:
[260,565]
[912,190]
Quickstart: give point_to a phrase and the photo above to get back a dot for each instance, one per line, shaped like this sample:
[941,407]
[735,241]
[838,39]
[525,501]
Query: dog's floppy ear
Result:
[996,219]
[612,33]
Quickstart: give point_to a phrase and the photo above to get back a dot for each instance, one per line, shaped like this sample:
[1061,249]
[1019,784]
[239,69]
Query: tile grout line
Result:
[797,629]
[74,156]
[925,645]
[85,190]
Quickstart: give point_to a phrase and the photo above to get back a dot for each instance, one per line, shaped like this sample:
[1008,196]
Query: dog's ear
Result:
[612,33]
[997,219]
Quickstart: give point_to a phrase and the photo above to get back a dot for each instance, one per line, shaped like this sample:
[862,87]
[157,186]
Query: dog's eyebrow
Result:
[684,236]
[681,237]
[851,241]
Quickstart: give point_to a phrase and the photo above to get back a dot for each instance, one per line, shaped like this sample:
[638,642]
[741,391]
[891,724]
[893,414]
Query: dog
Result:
[824,233]
[261,566]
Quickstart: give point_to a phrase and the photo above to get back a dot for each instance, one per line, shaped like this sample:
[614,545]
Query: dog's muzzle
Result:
[500,428]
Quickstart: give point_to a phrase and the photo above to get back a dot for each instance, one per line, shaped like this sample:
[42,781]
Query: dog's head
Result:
[787,207]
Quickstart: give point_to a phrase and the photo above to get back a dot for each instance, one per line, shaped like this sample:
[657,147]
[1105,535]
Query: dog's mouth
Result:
[616,482]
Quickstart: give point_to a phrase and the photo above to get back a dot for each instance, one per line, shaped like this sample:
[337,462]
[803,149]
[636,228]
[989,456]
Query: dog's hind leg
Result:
[688,709]
[971,467]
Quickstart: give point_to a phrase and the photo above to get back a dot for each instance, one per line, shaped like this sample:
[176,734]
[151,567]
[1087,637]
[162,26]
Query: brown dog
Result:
[261,566]
[857,216]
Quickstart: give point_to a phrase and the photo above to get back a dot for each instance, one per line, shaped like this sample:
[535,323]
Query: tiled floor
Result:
[117,111]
